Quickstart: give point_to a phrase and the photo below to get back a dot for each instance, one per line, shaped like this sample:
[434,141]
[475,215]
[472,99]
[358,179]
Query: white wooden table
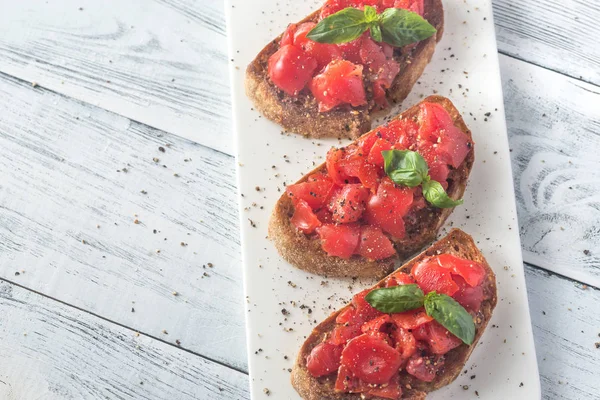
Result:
[120,271]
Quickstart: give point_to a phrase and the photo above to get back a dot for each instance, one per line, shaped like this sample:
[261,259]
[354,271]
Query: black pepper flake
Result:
[472,376]
[586,252]
[521,384]
[161,149]
[17,273]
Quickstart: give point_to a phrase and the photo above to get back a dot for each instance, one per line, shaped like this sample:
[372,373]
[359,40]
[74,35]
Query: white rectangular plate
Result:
[465,69]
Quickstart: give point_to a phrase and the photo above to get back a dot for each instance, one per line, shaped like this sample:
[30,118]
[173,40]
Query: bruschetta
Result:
[333,89]
[355,215]
[410,334]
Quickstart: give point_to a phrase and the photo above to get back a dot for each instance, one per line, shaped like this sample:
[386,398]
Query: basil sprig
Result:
[394,26]
[443,308]
[409,168]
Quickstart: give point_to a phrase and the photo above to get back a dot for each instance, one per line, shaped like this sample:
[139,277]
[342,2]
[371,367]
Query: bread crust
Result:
[457,243]
[300,114]
[306,253]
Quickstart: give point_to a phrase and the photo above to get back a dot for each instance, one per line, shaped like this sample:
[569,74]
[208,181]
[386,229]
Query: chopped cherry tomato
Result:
[373,244]
[411,319]
[324,359]
[333,157]
[424,368]
[322,52]
[388,206]
[340,82]
[415,6]
[288,35]
[370,359]
[467,296]
[339,240]
[348,203]
[409,131]
[324,216]
[399,278]
[342,333]
[438,338]
[391,391]
[345,316]
[345,381]
[351,50]
[376,325]
[375,156]
[357,166]
[405,342]
[366,142]
[364,310]
[315,191]
[472,272]
[290,69]
[431,276]
[304,219]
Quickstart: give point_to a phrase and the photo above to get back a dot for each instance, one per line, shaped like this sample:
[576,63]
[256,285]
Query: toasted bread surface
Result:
[300,114]
[457,243]
[306,253]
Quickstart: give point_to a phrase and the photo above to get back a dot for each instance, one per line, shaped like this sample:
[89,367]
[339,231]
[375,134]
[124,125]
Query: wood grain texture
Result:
[554,133]
[558,35]
[161,62]
[566,329]
[76,179]
[52,351]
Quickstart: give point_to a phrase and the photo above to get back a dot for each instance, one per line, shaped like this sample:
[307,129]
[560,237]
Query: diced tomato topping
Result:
[322,52]
[304,219]
[357,166]
[315,191]
[375,325]
[345,316]
[348,203]
[291,69]
[391,391]
[373,244]
[438,338]
[333,157]
[375,156]
[431,276]
[370,359]
[366,141]
[288,35]
[411,319]
[468,297]
[342,333]
[472,272]
[340,83]
[339,240]
[424,368]
[399,278]
[405,342]
[364,310]
[388,206]
[324,359]
[324,216]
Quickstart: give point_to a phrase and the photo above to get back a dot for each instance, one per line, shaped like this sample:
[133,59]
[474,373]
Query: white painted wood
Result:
[556,34]
[68,213]
[161,62]
[554,128]
[566,327]
[52,351]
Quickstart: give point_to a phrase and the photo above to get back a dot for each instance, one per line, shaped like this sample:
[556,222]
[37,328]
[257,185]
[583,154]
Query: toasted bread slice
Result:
[456,243]
[306,253]
[300,114]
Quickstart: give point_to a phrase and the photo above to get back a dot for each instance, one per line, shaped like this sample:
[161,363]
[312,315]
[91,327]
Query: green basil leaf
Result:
[396,299]
[343,26]
[405,167]
[370,14]
[401,27]
[435,194]
[376,33]
[448,312]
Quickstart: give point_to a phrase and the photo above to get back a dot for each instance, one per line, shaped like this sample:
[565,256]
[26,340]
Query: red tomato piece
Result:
[357,166]
[324,359]
[472,272]
[438,338]
[348,203]
[438,167]
[424,368]
[391,391]
[375,156]
[454,145]
[342,333]
[431,276]
[408,132]
[290,69]
[288,35]
[304,219]
[376,325]
[345,316]
[345,381]
[373,244]
[415,6]
[366,142]
[333,157]
[340,82]
[399,278]
[314,191]
[364,311]
[468,297]
[322,52]
[339,240]
[388,206]
[405,342]
[411,319]
[370,359]
[324,216]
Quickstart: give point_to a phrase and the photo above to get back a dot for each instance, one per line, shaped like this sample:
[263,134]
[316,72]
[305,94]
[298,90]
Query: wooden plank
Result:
[554,124]
[161,62]
[52,351]
[76,179]
[558,35]
[566,328]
